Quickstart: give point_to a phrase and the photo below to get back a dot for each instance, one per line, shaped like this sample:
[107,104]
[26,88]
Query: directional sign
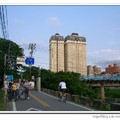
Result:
[9,77]
[20,60]
[29,61]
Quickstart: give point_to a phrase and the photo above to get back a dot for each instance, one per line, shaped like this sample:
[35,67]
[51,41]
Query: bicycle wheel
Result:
[64,98]
[22,95]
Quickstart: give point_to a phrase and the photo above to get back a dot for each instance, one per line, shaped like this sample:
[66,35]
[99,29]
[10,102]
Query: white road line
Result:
[69,102]
[14,106]
[30,109]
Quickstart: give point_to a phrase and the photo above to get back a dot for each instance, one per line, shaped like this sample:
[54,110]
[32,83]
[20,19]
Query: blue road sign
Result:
[9,77]
[29,61]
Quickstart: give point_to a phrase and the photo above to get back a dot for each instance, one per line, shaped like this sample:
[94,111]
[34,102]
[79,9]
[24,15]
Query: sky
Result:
[99,24]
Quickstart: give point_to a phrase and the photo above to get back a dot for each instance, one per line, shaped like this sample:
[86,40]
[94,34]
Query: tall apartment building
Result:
[75,54]
[97,70]
[68,54]
[90,70]
[56,50]
[93,70]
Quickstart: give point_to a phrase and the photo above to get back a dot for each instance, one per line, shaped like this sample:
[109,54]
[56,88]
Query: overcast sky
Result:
[36,24]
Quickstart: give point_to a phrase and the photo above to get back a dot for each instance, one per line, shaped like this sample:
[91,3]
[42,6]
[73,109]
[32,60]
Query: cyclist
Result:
[63,89]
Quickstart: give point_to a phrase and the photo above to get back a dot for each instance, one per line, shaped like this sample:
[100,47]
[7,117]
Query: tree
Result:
[12,51]
[50,80]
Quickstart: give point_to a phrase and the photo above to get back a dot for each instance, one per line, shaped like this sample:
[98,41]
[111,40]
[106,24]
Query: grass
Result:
[2,100]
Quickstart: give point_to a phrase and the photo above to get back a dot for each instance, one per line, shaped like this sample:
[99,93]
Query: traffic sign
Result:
[9,77]
[29,61]
[20,60]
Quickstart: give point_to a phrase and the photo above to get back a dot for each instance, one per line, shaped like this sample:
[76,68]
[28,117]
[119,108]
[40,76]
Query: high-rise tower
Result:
[75,54]
[68,54]
[56,49]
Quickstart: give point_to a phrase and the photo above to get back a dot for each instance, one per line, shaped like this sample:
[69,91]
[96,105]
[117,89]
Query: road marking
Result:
[69,102]
[33,109]
[14,106]
[39,100]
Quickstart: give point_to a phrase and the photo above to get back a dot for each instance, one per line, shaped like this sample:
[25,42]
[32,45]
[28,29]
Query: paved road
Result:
[40,101]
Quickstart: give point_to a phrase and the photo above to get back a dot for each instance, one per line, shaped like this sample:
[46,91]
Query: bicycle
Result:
[23,93]
[63,97]
[11,95]
[15,95]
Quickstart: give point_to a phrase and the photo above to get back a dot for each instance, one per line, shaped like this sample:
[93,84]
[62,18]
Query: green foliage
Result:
[50,80]
[112,93]
[2,101]
[15,50]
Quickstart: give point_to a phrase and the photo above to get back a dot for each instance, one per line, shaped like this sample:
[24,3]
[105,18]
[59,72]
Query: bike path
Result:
[40,101]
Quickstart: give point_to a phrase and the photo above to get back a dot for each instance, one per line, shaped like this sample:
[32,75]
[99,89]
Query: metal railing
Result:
[100,77]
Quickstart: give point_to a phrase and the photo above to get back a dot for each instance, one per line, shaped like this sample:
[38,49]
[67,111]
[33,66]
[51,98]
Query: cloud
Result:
[55,21]
[106,51]
[104,63]
[111,56]
[24,43]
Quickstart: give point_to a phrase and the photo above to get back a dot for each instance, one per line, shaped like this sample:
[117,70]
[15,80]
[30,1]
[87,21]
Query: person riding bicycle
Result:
[63,88]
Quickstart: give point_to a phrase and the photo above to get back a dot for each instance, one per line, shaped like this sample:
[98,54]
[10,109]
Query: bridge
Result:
[102,82]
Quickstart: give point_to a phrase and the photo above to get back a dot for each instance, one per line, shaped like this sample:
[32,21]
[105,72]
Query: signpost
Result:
[9,77]
[29,61]
[20,60]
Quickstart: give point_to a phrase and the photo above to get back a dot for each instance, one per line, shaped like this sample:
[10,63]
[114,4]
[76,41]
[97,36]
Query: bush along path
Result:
[2,101]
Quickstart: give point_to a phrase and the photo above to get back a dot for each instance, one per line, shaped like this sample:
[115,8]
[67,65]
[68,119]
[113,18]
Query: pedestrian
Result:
[32,85]
[26,86]
[6,86]
[14,88]
[10,91]
[17,89]
[10,84]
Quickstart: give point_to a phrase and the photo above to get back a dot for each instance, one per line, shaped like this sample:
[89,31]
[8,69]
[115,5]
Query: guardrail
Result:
[101,77]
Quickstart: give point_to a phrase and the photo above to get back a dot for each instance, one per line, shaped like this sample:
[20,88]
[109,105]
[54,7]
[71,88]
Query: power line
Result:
[4,22]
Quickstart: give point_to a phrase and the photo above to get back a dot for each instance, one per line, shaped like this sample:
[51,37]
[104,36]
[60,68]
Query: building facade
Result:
[112,69]
[56,50]
[68,54]
[97,70]
[93,70]
[75,54]
[90,70]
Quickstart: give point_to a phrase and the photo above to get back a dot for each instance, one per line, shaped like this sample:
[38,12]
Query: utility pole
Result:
[4,67]
[32,48]
[39,79]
